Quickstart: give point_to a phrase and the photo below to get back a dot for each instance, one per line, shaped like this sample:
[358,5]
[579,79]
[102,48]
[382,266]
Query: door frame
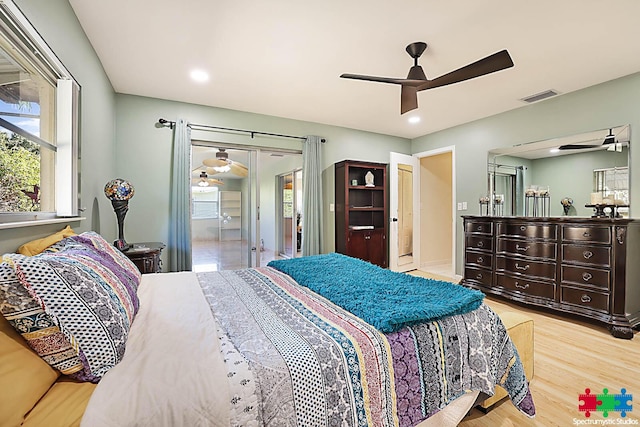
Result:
[394,160]
[454,220]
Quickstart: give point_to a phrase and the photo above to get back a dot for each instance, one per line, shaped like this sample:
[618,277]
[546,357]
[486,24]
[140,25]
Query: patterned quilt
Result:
[297,359]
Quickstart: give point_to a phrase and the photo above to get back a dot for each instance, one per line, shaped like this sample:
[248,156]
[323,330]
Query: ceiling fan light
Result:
[203,183]
[222,169]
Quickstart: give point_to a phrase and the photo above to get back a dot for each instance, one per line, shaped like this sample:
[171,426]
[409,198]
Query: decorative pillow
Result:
[73,303]
[35,247]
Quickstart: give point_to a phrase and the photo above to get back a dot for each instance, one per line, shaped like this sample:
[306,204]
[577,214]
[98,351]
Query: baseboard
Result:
[435,263]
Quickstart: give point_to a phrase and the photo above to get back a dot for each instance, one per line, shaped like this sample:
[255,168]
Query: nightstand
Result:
[146,256]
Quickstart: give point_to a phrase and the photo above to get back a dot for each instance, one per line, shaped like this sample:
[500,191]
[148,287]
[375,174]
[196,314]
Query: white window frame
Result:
[34,49]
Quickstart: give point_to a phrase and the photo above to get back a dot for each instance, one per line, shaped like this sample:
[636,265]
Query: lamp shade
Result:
[119,189]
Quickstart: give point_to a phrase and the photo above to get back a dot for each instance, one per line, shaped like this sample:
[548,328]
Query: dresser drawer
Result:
[479,242]
[545,270]
[530,231]
[480,227]
[479,258]
[544,250]
[586,276]
[478,275]
[589,255]
[591,299]
[586,234]
[528,287]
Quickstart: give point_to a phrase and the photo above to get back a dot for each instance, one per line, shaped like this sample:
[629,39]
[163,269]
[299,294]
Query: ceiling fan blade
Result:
[211,181]
[408,98]
[214,162]
[239,169]
[392,80]
[576,147]
[492,63]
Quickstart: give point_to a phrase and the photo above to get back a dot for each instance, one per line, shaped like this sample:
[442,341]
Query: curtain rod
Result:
[251,132]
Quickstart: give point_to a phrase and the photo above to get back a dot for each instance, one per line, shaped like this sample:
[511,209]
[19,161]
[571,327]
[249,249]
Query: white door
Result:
[404,208]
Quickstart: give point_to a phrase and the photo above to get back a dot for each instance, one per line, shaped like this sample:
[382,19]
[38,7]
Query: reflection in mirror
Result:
[562,176]
[405,214]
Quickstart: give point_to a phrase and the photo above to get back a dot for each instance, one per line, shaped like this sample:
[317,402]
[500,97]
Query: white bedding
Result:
[173,373]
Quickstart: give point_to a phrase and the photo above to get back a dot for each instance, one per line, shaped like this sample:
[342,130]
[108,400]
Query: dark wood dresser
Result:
[146,256]
[584,266]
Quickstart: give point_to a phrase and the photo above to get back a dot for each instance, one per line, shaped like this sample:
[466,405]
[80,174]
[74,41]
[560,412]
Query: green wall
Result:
[57,24]
[613,103]
[143,151]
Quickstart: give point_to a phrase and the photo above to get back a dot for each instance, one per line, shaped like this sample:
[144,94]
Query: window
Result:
[38,125]
[204,202]
[613,184]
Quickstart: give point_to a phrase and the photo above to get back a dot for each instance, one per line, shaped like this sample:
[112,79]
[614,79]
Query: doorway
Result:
[437,212]
[234,217]
[221,186]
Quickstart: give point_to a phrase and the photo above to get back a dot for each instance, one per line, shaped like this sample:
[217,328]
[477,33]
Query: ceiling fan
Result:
[222,163]
[201,179]
[417,81]
[609,139]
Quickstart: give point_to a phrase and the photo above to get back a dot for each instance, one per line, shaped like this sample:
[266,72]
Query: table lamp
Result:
[119,191]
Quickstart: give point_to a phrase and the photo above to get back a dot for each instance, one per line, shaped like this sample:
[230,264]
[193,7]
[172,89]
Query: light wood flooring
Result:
[214,255]
[569,356]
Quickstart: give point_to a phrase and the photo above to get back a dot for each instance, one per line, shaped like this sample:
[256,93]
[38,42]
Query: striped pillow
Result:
[73,303]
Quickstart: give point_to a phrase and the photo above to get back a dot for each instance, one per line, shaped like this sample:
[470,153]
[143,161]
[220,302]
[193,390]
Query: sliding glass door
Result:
[290,215]
[235,220]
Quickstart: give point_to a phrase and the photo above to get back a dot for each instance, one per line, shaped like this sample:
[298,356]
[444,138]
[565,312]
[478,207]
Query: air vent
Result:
[540,96]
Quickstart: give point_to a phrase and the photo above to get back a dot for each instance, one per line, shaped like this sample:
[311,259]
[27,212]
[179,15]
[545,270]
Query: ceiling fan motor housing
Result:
[222,155]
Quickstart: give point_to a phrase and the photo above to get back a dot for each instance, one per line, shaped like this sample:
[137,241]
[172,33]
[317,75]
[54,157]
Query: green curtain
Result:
[312,196]
[179,247]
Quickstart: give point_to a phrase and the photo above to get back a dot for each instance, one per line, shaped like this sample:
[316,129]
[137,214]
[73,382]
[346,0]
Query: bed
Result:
[256,347]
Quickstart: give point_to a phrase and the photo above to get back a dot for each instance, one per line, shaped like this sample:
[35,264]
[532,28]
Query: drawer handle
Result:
[523,227]
[479,228]
[585,298]
[480,244]
[367,237]
[525,268]
[480,260]
[587,254]
[522,248]
[586,276]
[586,234]
[519,286]
[479,276]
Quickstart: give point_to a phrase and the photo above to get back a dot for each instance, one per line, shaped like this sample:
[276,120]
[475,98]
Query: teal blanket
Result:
[383,298]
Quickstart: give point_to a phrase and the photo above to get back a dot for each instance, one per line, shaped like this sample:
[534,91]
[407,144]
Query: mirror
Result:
[579,175]
[405,214]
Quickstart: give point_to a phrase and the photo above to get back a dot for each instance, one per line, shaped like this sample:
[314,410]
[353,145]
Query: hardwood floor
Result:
[570,355]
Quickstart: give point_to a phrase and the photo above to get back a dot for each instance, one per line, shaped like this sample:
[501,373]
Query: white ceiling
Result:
[284,57]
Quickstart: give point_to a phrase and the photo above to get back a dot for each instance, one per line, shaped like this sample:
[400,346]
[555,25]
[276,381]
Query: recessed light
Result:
[554,150]
[414,119]
[199,76]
